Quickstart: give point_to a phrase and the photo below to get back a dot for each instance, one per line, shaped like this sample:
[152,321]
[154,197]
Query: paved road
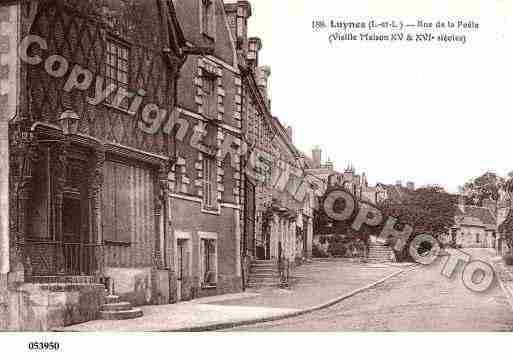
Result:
[417,300]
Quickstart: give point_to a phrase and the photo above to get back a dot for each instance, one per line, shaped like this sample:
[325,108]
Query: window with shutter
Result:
[183,258]
[209,262]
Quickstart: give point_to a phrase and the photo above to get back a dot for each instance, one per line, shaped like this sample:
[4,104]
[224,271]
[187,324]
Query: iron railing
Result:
[51,258]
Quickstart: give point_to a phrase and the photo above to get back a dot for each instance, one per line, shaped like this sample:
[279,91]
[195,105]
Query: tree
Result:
[506,227]
[485,187]
[428,210]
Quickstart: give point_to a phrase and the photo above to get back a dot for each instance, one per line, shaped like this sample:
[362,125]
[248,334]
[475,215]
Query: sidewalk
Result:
[505,277]
[315,285]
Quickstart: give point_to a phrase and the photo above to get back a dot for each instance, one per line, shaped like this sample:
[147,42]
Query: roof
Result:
[475,216]
[395,193]
[187,13]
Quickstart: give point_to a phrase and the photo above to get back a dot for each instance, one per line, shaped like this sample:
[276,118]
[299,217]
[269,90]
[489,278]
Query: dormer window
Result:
[208,18]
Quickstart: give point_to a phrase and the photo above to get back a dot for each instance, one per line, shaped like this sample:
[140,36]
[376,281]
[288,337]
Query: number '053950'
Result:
[44,346]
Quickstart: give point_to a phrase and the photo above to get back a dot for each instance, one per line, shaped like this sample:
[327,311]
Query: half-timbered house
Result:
[89,163]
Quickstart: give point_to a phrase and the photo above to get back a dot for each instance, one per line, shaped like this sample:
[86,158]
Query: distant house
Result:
[395,193]
[475,227]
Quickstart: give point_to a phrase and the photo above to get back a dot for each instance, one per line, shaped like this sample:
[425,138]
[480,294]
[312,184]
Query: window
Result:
[116,69]
[180,172]
[477,238]
[209,262]
[183,259]
[207,18]
[209,96]
[209,184]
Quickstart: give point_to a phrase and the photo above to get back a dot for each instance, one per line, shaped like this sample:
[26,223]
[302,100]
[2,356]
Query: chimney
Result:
[263,73]
[238,14]
[254,47]
[364,180]
[411,186]
[329,165]
[317,157]
[289,132]
[462,202]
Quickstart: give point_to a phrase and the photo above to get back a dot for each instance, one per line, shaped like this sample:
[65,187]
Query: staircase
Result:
[264,273]
[115,309]
[380,253]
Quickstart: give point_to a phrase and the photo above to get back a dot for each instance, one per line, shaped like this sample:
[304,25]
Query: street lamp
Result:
[69,122]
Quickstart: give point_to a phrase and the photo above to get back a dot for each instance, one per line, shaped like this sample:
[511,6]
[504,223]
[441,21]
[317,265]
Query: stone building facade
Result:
[475,227]
[205,189]
[277,222]
[89,160]
[134,125]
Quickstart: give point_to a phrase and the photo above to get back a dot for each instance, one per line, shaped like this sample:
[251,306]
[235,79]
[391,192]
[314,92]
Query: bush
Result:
[508,259]
[318,251]
[337,249]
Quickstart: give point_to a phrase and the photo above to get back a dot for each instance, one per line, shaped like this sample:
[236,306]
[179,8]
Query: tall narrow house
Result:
[205,211]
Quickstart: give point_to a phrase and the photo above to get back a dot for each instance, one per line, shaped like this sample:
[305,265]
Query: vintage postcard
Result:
[254,166]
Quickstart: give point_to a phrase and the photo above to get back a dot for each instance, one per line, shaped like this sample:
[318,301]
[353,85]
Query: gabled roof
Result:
[188,15]
[475,216]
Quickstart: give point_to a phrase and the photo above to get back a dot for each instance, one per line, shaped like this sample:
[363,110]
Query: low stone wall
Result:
[225,285]
[42,307]
[161,285]
[142,286]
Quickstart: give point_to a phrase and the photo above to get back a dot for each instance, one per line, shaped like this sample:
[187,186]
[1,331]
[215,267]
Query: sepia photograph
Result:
[185,166]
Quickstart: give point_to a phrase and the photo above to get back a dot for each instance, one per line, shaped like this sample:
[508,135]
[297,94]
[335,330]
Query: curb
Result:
[272,318]
[508,292]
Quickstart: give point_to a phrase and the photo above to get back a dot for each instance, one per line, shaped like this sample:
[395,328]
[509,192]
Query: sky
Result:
[431,114]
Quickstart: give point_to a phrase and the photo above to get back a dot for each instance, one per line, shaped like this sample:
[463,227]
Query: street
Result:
[417,300]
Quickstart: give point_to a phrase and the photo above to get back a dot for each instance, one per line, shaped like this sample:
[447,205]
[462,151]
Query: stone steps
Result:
[273,274]
[379,253]
[264,265]
[263,283]
[111,299]
[115,309]
[122,314]
[264,274]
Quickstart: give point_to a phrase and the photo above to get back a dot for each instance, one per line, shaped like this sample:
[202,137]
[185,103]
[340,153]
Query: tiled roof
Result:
[475,216]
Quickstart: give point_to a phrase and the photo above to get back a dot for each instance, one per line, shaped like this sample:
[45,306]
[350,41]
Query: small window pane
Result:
[116,67]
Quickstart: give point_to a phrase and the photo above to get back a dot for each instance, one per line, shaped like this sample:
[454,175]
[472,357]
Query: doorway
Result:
[58,239]
[183,263]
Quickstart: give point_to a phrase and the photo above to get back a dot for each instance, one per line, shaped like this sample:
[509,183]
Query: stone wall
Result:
[189,222]
[42,307]
[141,286]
